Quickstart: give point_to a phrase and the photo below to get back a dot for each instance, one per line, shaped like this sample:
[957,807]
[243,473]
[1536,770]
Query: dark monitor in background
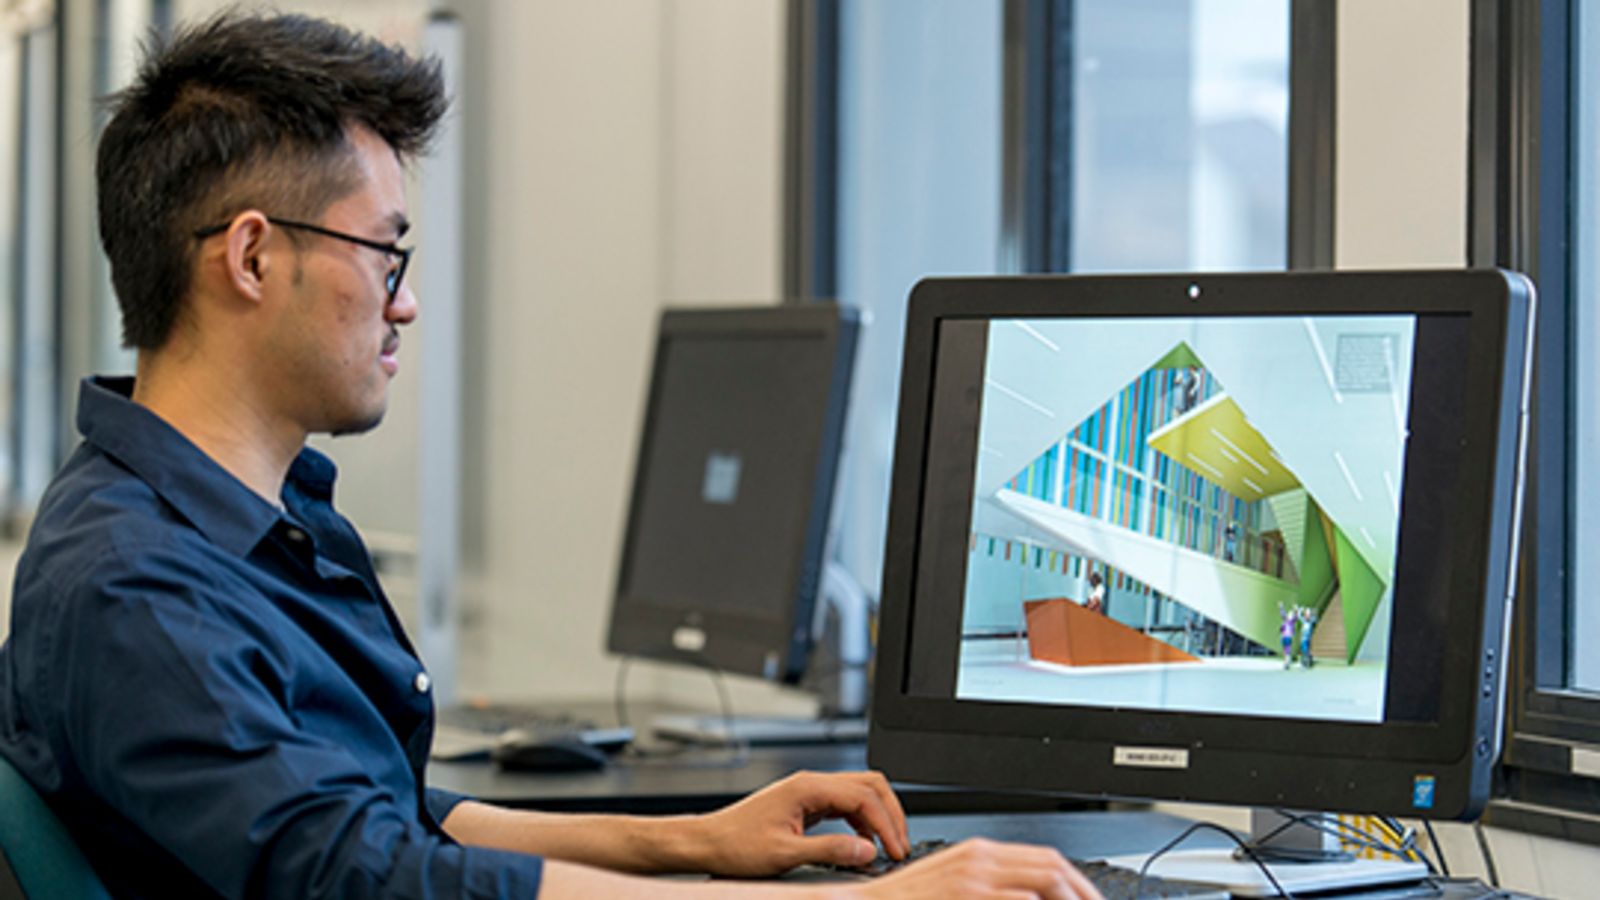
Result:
[1241,539]
[724,554]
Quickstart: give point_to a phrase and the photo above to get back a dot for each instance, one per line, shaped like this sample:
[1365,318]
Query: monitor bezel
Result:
[1071,749]
[642,625]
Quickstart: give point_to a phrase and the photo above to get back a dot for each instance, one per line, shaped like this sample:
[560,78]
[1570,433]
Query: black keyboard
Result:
[496,719]
[1122,883]
[469,732]
[1113,882]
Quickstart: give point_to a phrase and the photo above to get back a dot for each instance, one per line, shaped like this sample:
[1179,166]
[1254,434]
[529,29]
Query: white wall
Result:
[1401,155]
[623,156]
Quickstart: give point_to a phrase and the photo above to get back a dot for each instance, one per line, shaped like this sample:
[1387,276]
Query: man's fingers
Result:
[856,801]
[864,810]
[880,786]
[991,869]
[834,849]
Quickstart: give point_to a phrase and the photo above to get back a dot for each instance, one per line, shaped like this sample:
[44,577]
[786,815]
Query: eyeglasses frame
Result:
[392,249]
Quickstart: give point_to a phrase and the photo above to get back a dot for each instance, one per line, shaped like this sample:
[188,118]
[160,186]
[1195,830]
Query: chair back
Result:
[41,857]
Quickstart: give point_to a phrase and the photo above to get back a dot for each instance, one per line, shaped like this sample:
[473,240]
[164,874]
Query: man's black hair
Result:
[235,113]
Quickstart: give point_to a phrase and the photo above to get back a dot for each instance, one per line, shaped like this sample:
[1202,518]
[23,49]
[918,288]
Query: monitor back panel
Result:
[733,485]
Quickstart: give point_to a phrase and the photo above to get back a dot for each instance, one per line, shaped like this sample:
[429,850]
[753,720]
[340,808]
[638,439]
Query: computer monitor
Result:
[1243,539]
[727,529]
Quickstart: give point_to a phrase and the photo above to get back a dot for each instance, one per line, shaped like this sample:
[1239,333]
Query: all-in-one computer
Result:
[1243,539]
[724,562]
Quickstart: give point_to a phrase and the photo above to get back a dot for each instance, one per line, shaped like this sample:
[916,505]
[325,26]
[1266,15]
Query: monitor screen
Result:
[1243,528]
[1223,491]
[732,487]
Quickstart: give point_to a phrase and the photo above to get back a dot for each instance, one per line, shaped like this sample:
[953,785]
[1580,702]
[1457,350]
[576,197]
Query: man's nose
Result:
[403,309]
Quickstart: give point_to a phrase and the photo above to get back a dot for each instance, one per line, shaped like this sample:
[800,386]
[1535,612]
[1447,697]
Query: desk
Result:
[700,780]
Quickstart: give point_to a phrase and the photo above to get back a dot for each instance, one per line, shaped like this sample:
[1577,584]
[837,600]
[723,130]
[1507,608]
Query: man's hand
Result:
[765,833]
[976,868]
[982,868]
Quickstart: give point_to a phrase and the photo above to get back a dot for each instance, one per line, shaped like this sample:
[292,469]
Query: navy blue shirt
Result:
[214,694]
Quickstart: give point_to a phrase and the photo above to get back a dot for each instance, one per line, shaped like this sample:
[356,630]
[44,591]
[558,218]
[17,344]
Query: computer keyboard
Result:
[1114,882]
[1121,883]
[469,732]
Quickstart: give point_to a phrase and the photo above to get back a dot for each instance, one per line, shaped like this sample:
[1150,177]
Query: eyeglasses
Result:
[391,281]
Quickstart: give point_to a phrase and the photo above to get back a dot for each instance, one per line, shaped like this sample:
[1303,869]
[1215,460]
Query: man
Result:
[203,677]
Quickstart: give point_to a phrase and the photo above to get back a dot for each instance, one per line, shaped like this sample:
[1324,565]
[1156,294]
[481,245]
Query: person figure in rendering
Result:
[1308,621]
[1097,592]
[1230,542]
[203,677]
[1286,623]
[1190,398]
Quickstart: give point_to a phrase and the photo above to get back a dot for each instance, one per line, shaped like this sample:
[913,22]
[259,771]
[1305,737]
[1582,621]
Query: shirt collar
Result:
[219,505]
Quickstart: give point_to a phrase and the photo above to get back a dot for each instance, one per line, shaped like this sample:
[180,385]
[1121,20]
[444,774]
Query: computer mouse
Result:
[527,751]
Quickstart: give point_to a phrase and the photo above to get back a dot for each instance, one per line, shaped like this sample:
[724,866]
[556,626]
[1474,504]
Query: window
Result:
[1535,197]
[1179,119]
[919,168]
[10,268]
[28,98]
[1582,669]
[1056,135]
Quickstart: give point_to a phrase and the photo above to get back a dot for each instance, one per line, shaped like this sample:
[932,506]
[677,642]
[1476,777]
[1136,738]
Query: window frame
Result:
[1036,205]
[1520,217]
[811,151]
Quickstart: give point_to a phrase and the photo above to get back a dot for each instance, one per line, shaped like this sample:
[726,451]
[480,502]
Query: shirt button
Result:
[296,535]
[422,682]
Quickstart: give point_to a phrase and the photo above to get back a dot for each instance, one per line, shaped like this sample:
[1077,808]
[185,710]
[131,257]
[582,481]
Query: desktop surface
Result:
[701,779]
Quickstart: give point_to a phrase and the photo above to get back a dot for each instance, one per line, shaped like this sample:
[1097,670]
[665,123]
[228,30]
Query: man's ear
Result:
[247,257]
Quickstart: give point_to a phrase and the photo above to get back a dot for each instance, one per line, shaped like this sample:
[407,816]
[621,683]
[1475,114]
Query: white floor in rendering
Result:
[1002,670]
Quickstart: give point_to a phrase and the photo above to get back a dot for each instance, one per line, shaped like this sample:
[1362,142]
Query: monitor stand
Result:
[836,674]
[1303,859]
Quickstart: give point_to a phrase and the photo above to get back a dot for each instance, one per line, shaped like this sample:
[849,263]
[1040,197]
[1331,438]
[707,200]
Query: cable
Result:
[1144,870]
[740,745]
[1438,851]
[1340,829]
[834,671]
[640,756]
[1405,837]
[619,690]
[1488,857]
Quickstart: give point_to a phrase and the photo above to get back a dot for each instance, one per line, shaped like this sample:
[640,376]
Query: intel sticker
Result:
[721,484]
[1422,791]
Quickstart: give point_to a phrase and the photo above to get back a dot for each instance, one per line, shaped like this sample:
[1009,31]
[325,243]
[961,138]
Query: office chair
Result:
[37,856]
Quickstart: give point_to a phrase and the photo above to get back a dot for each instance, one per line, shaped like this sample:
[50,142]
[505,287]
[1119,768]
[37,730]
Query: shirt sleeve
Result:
[175,715]
[441,802]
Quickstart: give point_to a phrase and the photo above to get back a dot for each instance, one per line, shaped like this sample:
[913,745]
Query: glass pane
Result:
[10,212]
[1180,118]
[919,193]
[1179,130]
[1583,612]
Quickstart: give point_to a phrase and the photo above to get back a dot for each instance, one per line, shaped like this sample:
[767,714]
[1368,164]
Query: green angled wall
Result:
[1316,568]
[1360,589]
[1179,357]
